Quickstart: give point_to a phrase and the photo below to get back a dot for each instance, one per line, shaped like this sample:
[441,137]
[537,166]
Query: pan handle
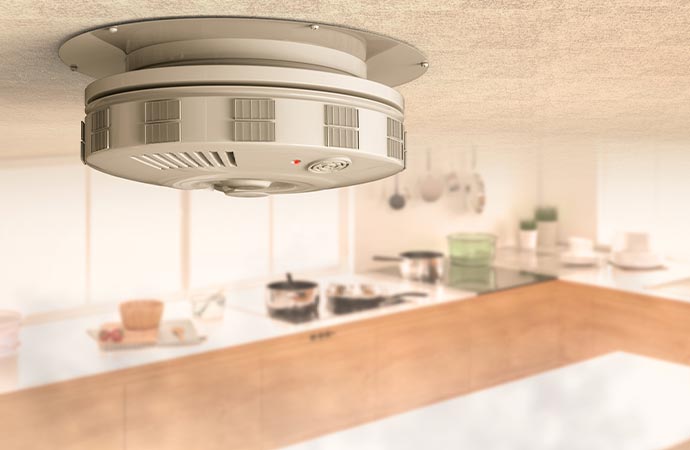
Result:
[387,258]
[410,294]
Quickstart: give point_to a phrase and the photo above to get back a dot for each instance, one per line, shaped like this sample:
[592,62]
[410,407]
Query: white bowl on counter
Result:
[10,322]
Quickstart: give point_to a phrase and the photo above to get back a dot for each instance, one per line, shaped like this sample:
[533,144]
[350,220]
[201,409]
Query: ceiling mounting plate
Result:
[124,47]
[245,106]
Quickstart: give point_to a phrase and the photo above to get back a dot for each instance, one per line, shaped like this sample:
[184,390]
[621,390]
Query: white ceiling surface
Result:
[518,68]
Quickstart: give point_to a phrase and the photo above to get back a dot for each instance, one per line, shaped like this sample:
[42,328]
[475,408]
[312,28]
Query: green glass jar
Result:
[472,249]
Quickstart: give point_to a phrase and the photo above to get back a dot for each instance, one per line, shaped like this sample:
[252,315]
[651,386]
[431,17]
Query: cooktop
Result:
[482,280]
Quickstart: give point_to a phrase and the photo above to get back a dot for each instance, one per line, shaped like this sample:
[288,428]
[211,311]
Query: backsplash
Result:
[606,186]
[510,176]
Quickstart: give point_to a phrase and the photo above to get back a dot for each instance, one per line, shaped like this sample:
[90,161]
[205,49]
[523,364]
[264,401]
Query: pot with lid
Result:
[422,265]
[292,295]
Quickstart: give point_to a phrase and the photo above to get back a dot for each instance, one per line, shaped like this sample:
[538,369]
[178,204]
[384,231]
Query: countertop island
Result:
[617,401]
[263,383]
[61,350]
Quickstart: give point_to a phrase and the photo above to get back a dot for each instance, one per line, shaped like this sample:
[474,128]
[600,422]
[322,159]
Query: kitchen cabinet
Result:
[577,334]
[277,392]
[210,404]
[423,356]
[317,382]
[69,416]
[640,324]
[514,333]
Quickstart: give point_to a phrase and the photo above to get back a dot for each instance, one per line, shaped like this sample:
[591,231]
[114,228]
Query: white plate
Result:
[574,259]
[636,260]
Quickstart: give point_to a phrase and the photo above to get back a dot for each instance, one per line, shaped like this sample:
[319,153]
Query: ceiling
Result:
[521,68]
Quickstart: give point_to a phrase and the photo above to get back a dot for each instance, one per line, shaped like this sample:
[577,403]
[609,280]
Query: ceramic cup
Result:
[580,246]
[634,241]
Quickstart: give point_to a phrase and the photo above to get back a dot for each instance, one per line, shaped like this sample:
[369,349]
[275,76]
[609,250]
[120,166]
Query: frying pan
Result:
[363,296]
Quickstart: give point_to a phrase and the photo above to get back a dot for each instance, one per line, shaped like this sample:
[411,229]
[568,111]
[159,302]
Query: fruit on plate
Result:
[103,335]
[112,334]
[116,335]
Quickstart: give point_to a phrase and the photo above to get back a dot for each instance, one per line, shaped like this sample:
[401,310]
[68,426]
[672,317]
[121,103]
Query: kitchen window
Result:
[71,237]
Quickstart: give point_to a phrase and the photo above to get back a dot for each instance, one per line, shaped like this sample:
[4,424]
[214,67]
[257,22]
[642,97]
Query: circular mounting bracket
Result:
[123,47]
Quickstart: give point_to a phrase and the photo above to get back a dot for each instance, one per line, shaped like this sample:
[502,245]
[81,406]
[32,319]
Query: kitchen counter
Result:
[646,282]
[61,350]
[616,401]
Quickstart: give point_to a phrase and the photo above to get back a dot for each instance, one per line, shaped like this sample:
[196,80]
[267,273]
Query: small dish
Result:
[579,259]
[636,260]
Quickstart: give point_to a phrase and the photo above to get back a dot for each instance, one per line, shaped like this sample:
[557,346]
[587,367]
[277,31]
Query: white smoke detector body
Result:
[246,106]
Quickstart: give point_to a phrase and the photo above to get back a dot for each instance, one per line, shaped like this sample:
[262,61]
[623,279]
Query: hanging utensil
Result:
[430,187]
[475,190]
[397,200]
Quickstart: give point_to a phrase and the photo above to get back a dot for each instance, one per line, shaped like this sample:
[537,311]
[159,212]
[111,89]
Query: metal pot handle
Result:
[387,258]
[410,294]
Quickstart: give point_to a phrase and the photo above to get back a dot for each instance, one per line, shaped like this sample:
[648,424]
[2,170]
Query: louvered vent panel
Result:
[82,147]
[341,137]
[162,121]
[156,133]
[254,120]
[396,139]
[254,109]
[100,119]
[187,160]
[100,132]
[395,129]
[396,150]
[341,125]
[341,116]
[254,131]
[100,140]
[162,111]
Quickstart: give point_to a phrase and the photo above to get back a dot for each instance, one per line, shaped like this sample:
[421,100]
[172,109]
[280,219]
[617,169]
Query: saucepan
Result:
[421,265]
[292,294]
[363,296]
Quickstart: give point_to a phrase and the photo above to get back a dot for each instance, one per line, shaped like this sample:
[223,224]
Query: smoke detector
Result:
[245,106]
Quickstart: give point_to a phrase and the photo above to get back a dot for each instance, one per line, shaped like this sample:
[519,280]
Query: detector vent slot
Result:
[187,160]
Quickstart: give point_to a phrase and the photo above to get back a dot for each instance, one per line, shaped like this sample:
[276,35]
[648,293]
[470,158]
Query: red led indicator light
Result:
[296,162]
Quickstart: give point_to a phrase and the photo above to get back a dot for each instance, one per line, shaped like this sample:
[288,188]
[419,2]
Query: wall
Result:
[508,165]
[606,186]
[72,237]
[568,179]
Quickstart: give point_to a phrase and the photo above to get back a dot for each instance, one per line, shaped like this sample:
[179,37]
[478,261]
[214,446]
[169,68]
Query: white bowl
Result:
[637,260]
[579,259]
[9,332]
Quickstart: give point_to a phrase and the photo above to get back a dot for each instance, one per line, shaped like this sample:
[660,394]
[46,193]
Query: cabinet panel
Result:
[212,405]
[65,417]
[423,357]
[578,338]
[317,383]
[641,324]
[514,334]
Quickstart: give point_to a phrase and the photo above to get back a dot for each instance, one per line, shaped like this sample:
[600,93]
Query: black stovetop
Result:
[482,280]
